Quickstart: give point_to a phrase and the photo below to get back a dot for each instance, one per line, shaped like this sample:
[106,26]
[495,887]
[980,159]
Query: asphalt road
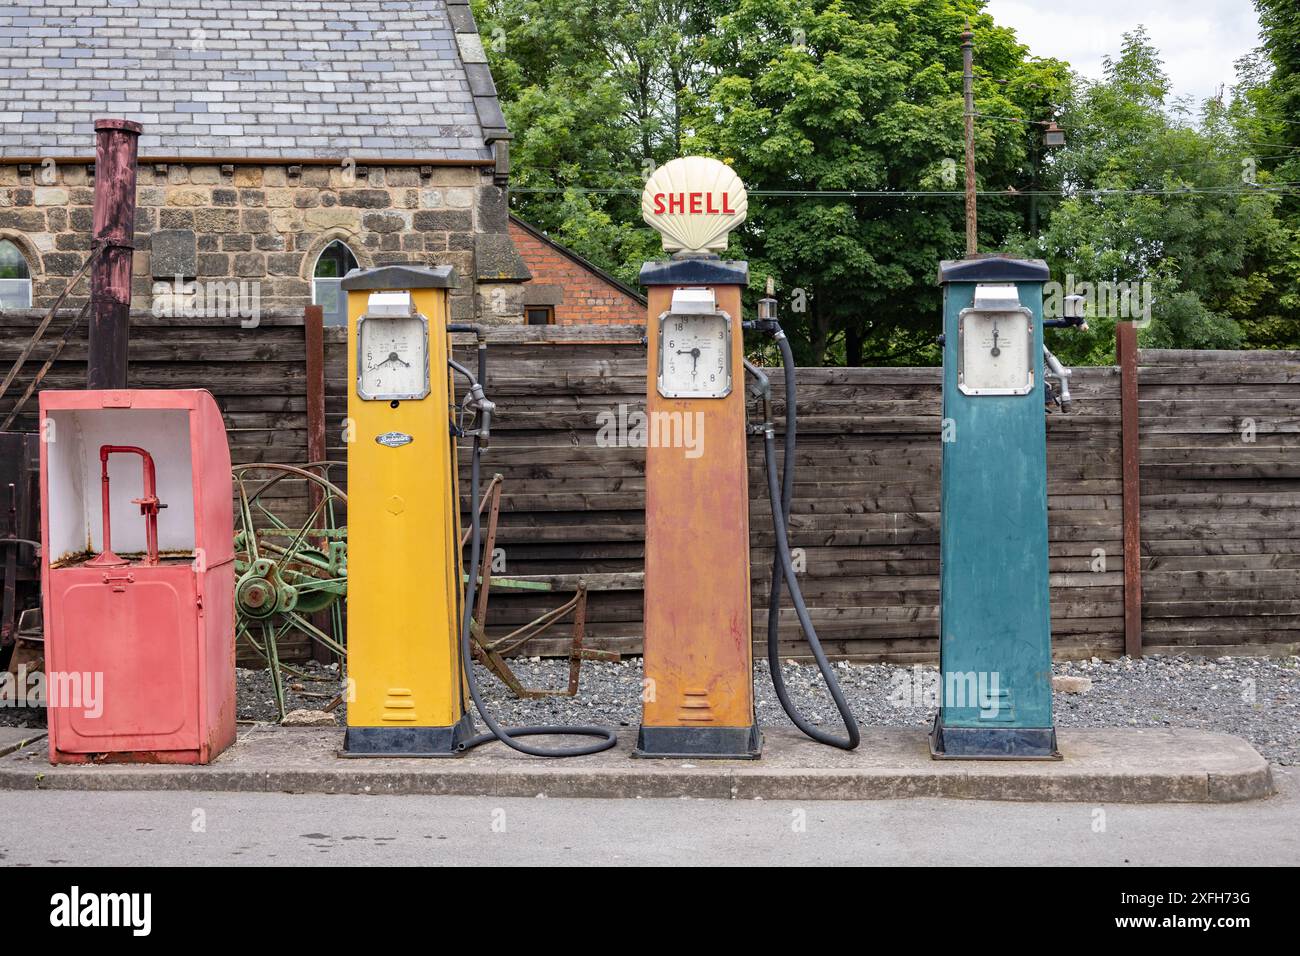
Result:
[169,829]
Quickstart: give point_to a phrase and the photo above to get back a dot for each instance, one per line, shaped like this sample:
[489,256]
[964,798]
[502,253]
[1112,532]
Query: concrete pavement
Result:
[1128,765]
[257,829]
[12,738]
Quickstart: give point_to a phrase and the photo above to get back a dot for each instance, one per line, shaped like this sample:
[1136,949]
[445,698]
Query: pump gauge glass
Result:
[694,355]
[995,352]
[392,357]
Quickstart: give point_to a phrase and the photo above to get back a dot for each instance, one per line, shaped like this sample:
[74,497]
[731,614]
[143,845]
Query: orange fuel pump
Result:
[698,700]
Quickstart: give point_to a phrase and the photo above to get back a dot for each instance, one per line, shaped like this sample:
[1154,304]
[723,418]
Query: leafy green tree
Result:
[1276,94]
[1157,197]
[866,95]
[594,92]
[1267,112]
[844,118]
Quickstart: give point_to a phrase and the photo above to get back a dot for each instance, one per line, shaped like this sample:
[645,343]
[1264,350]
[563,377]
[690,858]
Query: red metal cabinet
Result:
[139,630]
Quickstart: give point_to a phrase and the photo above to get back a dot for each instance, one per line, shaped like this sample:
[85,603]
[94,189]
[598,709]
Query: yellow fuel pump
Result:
[405,677]
[410,668]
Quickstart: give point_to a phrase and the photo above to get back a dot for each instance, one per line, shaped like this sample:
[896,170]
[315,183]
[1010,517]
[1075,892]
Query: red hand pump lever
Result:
[149,507]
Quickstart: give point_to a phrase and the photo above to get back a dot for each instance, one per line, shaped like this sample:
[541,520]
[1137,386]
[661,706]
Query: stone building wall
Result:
[267,224]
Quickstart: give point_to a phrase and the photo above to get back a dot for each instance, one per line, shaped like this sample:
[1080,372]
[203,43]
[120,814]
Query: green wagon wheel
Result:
[288,569]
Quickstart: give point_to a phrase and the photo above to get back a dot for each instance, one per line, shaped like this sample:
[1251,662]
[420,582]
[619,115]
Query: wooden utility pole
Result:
[1127,358]
[112,233]
[968,88]
[313,321]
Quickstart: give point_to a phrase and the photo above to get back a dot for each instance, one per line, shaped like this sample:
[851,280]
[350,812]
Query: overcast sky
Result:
[1198,39]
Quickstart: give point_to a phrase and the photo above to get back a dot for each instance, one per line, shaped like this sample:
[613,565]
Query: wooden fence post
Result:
[1126,349]
[313,321]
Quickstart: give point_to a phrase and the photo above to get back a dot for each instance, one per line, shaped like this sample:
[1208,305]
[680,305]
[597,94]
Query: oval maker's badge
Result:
[394,439]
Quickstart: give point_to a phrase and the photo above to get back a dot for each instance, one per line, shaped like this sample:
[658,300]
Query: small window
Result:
[15,278]
[540,314]
[334,263]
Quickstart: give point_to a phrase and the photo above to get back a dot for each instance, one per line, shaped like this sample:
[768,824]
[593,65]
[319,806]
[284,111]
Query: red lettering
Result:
[696,203]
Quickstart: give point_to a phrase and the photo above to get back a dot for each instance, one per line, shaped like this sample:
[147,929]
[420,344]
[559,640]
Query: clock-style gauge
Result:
[995,354]
[694,355]
[393,357]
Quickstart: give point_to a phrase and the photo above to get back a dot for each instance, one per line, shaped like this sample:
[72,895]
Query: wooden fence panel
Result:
[1220,469]
[257,376]
[1220,481]
[866,501]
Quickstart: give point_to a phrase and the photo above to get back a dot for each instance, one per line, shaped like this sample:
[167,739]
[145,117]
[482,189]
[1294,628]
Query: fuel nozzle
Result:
[474,401]
[760,388]
[1075,314]
[479,403]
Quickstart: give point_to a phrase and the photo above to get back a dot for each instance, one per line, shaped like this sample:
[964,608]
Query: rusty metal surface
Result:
[491,494]
[113,228]
[28,652]
[698,644]
[492,654]
[19,532]
[148,502]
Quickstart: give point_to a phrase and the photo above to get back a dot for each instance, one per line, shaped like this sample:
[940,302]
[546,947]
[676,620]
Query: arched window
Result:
[15,278]
[336,261]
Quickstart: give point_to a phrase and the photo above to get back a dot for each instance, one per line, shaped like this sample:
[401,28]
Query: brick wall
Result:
[267,224]
[578,294]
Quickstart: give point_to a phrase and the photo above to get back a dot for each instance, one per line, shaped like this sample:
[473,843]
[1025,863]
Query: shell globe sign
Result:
[694,203]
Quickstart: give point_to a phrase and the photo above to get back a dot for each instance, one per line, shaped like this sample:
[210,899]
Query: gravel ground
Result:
[1153,692]
[1255,698]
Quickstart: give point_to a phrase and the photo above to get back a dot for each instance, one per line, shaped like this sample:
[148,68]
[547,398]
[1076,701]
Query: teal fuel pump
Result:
[995,655]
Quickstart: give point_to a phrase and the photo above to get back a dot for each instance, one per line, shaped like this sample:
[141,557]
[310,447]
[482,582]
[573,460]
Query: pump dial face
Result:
[694,355]
[392,357]
[995,352]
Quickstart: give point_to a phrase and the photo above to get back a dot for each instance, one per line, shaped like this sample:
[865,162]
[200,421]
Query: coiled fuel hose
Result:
[506,735]
[780,491]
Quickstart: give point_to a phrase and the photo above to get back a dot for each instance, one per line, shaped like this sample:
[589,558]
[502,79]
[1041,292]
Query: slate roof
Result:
[231,79]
